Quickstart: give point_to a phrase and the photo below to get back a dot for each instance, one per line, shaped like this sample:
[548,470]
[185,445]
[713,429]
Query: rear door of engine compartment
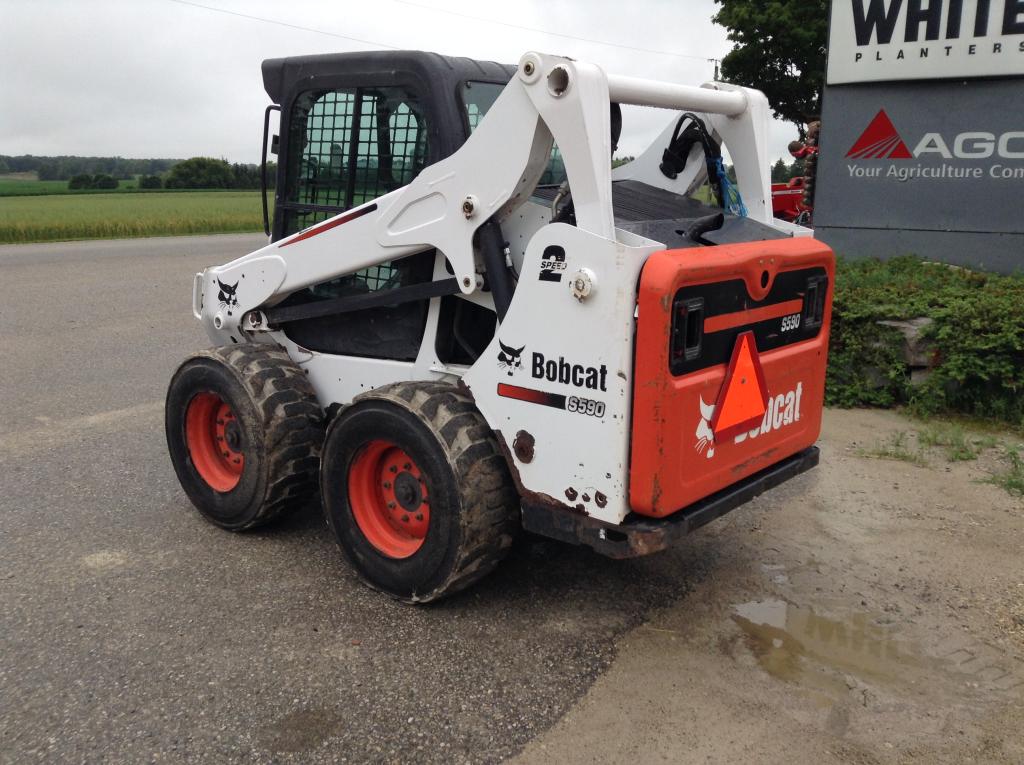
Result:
[694,304]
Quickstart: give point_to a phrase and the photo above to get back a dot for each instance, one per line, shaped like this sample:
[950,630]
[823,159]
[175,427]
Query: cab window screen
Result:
[347,147]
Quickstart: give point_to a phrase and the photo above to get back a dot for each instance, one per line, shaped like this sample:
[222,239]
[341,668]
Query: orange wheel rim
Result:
[214,439]
[388,495]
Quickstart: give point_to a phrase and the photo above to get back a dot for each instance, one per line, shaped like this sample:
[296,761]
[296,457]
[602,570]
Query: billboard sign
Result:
[884,40]
[934,168]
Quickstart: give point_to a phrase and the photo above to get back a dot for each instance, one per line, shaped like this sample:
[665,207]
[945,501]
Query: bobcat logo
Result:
[705,436]
[782,410]
[510,359]
[226,295]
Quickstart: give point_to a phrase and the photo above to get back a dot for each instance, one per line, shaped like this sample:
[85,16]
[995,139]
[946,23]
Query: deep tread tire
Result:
[281,425]
[474,510]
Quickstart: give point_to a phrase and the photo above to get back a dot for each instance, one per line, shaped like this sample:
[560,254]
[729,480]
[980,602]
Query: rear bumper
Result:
[638,535]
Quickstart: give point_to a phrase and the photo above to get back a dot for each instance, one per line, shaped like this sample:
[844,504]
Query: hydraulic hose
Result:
[492,248]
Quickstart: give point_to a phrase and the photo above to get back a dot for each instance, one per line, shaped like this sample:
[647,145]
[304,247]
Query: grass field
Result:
[56,217]
[18,188]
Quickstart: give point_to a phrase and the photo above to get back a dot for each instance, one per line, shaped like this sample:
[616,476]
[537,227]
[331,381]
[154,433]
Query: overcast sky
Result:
[162,78]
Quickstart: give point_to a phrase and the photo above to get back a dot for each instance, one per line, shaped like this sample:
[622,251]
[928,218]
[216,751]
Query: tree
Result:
[48,171]
[80,181]
[780,171]
[150,182]
[245,176]
[104,181]
[779,49]
[200,173]
[4,167]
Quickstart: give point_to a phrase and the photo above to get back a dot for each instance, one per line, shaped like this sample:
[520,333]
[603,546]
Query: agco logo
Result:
[881,140]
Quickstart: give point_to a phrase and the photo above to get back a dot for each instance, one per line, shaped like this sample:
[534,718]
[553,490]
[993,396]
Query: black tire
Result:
[473,507]
[279,432]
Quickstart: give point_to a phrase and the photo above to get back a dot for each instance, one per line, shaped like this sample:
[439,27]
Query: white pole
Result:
[635,90]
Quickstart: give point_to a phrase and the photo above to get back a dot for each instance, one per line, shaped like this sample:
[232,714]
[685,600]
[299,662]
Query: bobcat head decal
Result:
[705,436]
[226,295]
[509,358]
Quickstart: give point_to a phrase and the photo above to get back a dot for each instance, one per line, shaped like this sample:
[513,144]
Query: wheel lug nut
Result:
[226,454]
[220,438]
[220,421]
[387,484]
[393,469]
[407,466]
[391,505]
[405,519]
[419,516]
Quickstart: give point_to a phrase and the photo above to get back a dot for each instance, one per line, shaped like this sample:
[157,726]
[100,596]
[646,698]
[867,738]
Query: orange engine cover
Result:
[695,305]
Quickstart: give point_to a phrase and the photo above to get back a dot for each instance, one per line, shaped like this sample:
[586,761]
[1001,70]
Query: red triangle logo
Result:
[743,399]
[879,141]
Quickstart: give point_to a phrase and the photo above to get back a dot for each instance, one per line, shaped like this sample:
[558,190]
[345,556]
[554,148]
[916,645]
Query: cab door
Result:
[346,146]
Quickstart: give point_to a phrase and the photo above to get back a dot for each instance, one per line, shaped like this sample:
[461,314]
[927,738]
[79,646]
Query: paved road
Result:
[132,631]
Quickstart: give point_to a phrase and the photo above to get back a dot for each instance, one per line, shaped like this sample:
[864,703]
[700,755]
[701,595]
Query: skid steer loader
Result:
[465,323]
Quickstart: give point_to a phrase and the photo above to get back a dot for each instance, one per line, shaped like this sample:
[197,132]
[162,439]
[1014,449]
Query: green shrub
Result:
[200,173]
[82,181]
[977,331]
[104,181]
[150,182]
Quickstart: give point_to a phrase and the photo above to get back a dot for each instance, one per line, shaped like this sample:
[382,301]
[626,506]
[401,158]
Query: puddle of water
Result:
[776,571]
[795,644]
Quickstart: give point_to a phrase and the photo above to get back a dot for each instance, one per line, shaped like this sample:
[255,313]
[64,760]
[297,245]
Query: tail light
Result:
[814,301]
[687,331]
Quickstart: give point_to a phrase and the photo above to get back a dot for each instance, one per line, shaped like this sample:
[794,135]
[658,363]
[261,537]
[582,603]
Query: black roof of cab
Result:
[281,76]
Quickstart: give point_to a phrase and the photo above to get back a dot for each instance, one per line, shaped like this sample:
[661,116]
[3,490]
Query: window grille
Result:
[352,146]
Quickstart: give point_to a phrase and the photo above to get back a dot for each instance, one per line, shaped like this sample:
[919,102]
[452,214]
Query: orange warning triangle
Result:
[743,399]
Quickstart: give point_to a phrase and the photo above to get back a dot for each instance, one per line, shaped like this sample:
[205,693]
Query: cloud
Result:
[159,78]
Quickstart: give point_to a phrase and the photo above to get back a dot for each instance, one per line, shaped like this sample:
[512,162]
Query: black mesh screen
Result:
[350,146]
[323,167]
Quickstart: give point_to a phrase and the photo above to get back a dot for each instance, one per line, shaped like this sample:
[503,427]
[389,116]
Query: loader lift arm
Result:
[550,100]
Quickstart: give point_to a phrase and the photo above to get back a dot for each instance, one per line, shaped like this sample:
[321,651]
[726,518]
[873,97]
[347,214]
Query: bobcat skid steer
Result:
[466,323]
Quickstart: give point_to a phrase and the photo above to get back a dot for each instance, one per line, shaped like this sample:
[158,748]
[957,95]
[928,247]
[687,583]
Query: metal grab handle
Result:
[263,165]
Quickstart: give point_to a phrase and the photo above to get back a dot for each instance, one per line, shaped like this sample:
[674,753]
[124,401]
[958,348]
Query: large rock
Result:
[918,351]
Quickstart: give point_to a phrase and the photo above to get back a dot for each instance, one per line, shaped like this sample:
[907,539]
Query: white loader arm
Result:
[550,99]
